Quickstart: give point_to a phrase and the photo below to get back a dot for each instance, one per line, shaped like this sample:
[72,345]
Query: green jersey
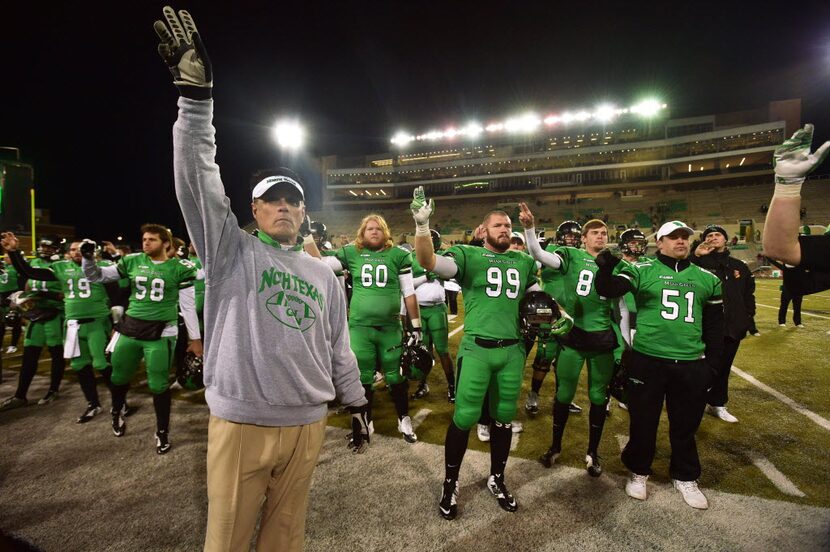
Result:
[376,290]
[591,312]
[670,308]
[8,278]
[492,285]
[155,286]
[81,298]
[45,286]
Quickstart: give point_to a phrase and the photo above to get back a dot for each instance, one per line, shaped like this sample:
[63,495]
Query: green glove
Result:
[421,211]
[563,325]
[792,159]
[185,55]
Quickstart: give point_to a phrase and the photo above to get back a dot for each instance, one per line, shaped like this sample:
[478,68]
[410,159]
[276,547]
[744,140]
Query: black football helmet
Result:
[320,231]
[633,243]
[416,362]
[49,248]
[569,228]
[190,376]
[436,239]
[537,313]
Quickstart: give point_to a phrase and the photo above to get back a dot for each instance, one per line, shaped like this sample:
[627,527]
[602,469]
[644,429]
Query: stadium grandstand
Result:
[635,167]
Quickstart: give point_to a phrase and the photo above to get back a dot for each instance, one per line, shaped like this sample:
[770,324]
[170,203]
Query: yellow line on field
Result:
[800,408]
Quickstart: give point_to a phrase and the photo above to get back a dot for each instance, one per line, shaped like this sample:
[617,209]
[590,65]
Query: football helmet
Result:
[416,362]
[190,376]
[49,248]
[569,228]
[633,243]
[319,230]
[537,313]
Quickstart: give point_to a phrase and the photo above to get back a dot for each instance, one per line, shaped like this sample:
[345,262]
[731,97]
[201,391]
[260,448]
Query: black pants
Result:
[452,301]
[785,303]
[683,386]
[719,393]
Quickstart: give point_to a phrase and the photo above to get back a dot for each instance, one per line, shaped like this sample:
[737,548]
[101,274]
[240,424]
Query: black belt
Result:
[495,343]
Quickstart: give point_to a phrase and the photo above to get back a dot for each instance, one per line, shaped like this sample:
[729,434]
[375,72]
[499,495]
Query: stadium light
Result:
[288,134]
[530,122]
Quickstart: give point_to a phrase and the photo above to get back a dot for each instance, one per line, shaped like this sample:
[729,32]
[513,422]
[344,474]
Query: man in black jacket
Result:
[739,309]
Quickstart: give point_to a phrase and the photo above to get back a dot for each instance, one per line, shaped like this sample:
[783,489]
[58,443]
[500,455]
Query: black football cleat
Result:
[162,442]
[91,411]
[499,490]
[119,426]
[592,464]
[448,507]
[549,457]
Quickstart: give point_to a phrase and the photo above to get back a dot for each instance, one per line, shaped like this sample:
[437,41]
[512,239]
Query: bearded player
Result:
[491,356]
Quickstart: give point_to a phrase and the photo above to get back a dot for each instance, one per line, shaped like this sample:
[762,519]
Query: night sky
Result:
[86,97]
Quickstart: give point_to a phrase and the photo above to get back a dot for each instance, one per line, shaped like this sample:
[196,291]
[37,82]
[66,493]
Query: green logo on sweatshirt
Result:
[291,310]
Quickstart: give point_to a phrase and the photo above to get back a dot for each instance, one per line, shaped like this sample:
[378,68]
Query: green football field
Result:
[780,397]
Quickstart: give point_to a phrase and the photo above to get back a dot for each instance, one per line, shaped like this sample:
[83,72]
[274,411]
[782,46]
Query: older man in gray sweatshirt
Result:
[276,338]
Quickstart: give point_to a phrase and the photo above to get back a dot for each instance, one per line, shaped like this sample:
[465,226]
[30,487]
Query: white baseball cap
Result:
[672,226]
[518,236]
[270,181]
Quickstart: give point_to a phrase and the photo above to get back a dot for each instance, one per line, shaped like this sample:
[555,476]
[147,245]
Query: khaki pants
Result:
[249,464]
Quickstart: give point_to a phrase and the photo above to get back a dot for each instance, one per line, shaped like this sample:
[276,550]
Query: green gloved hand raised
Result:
[792,159]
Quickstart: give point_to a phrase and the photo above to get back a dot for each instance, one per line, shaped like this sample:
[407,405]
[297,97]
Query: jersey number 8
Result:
[495,279]
[156,288]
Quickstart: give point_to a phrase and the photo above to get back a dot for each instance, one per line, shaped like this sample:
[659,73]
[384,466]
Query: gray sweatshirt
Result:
[276,337]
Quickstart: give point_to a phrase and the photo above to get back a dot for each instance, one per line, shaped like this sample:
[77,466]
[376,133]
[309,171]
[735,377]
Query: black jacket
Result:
[738,290]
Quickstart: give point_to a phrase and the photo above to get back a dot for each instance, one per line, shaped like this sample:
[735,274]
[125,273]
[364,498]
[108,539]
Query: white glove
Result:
[185,55]
[421,211]
[792,159]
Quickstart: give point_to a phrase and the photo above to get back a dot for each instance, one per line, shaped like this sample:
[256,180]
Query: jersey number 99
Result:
[495,279]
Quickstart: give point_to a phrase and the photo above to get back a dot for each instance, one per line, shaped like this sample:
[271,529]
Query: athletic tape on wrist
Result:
[787,190]
[422,229]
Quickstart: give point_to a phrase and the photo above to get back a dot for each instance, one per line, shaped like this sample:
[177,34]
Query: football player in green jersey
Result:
[87,311]
[491,356]
[45,329]
[569,233]
[429,290]
[591,342]
[677,347]
[381,273]
[632,244]
[148,330]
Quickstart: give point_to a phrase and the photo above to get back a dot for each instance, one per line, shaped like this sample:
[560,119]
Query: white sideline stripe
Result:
[514,443]
[781,482]
[802,311]
[419,417]
[823,422]
[455,331]
[622,440]
[452,317]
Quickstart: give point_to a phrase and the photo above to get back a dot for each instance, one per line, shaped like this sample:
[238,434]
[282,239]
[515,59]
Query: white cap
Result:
[672,226]
[269,182]
[518,236]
